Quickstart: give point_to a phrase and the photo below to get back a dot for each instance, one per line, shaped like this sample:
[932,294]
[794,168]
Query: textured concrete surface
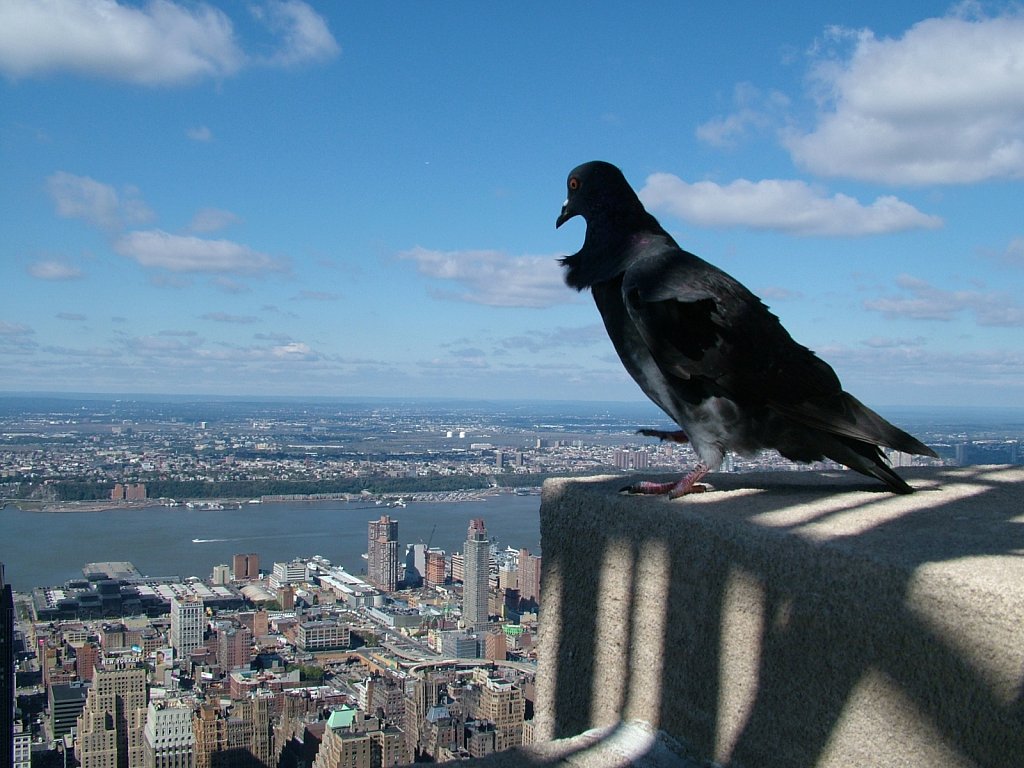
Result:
[791,619]
[624,745]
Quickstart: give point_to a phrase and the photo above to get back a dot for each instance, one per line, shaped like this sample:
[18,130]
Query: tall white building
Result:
[221,574]
[187,623]
[167,739]
[295,572]
[475,572]
[22,747]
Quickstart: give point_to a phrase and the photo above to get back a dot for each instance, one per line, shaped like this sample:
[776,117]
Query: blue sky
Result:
[352,199]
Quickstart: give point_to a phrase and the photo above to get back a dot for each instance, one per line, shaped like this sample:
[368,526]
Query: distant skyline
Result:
[283,198]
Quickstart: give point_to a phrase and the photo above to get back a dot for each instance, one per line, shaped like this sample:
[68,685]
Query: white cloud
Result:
[778,293]
[467,352]
[14,329]
[199,133]
[182,349]
[163,345]
[306,295]
[104,207]
[556,339]
[754,112]
[779,204]
[291,351]
[54,270]
[80,197]
[494,279]
[16,339]
[224,317]
[905,373]
[943,104]
[294,350]
[230,285]
[454,364]
[305,36]
[157,43]
[919,300]
[886,342]
[179,253]
[211,220]
[1014,253]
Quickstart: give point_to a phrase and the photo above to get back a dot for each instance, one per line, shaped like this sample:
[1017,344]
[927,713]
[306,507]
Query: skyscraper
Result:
[627,459]
[382,554]
[243,737]
[186,625]
[65,702]
[529,576]
[110,728]
[87,656]
[167,738]
[474,591]
[245,567]
[504,704]
[435,572]
[234,647]
[6,671]
[210,728]
[221,574]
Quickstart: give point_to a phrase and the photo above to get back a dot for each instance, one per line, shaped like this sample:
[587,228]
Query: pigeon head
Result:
[598,190]
[600,194]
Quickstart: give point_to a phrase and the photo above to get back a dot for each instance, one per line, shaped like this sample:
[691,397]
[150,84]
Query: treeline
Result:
[250,489]
[176,489]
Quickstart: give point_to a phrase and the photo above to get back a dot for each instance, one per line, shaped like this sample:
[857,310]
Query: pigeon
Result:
[708,352]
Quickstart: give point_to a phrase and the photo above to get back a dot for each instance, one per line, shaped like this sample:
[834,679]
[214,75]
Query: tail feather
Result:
[845,416]
[867,459]
[886,474]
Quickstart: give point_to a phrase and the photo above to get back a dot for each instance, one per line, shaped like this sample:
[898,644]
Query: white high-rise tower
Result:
[186,625]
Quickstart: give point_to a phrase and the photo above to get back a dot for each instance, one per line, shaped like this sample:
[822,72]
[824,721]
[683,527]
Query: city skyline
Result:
[98,667]
[314,464]
[289,199]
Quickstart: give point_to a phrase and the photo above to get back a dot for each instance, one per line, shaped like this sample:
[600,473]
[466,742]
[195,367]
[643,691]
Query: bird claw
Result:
[689,484]
[646,488]
[678,436]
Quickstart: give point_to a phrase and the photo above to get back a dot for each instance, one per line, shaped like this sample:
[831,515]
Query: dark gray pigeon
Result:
[707,351]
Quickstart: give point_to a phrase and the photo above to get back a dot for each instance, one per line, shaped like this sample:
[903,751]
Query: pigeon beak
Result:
[565,215]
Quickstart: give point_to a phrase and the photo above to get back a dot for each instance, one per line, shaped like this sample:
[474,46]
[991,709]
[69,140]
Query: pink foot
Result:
[689,484]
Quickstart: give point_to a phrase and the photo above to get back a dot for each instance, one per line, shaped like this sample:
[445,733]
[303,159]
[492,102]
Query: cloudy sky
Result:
[275,197]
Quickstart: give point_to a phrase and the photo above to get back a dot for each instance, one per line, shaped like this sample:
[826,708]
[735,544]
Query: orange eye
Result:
[574,183]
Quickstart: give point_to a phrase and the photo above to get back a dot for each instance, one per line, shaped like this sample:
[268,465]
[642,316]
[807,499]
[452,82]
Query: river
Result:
[48,548]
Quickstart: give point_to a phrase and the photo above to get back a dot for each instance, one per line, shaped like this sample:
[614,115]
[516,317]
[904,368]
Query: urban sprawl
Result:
[429,655]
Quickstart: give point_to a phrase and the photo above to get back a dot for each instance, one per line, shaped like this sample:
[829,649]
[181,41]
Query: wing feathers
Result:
[698,322]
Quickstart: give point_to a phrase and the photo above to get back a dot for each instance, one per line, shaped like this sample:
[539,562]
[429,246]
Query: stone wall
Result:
[791,619]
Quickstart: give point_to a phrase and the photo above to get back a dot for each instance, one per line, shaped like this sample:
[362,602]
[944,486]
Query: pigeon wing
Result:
[698,322]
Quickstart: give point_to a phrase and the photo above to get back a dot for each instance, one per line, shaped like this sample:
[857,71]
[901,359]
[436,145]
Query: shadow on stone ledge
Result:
[791,619]
[624,745]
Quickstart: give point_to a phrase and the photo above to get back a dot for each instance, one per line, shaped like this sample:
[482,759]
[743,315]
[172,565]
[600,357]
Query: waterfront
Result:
[47,548]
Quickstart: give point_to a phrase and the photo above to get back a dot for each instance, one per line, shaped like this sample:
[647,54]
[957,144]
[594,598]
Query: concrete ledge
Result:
[624,745]
[797,619]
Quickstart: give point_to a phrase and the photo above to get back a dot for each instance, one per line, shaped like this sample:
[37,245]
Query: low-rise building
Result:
[323,635]
[66,701]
